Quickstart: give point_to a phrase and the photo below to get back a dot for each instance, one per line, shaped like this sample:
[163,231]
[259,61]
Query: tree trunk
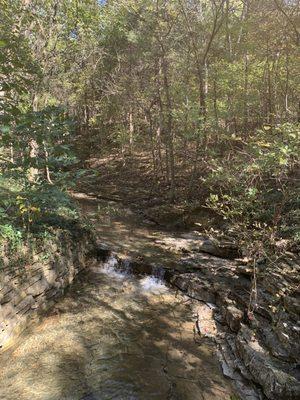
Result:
[33,154]
[131,129]
[47,170]
[170,135]
[246,84]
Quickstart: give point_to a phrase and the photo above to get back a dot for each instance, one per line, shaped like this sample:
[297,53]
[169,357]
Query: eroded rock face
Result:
[220,249]
[27,291]
[194,287]
[205,322]
[292,305]
[277,383]
[234,369]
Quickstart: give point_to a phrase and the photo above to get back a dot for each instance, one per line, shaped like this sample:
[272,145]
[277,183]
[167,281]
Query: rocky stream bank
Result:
[250,311]
[32,280]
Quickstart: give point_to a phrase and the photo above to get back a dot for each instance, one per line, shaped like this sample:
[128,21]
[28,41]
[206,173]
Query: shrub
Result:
[256,190]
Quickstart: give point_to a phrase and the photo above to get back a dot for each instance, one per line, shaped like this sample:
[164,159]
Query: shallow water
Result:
[124,231]
[114,336]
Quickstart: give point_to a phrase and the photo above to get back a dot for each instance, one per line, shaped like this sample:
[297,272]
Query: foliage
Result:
[9,233]
[33,211]
[209,86]
[35,135]
[255,189]
[48,131]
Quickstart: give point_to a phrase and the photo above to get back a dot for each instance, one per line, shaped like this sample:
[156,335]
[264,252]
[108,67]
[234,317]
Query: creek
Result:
[114,336]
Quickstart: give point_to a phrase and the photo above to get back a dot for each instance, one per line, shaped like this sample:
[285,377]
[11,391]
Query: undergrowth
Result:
[255,188]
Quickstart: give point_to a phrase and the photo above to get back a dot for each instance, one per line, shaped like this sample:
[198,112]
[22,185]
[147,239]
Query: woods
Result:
[149,158]
[209,89]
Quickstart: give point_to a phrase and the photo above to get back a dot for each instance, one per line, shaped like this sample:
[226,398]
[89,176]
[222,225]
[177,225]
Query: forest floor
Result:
[132,181]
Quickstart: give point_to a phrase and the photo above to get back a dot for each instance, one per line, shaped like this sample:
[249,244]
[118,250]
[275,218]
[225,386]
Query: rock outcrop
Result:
[27,290]
[257,321]
[262,325]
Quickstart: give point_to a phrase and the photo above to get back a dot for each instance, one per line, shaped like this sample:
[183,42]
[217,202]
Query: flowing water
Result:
[114,336]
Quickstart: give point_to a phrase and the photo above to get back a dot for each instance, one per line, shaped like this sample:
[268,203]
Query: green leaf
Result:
[283,161]
[5,129]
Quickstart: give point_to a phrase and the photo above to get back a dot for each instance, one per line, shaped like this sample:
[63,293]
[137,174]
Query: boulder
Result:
[219,249]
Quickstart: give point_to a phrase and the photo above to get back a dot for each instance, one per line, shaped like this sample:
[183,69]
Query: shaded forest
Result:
[206,91]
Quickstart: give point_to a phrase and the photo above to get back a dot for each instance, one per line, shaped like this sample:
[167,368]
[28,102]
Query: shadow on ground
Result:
[114,338]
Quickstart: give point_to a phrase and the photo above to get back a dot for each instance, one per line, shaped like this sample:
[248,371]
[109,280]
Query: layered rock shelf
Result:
[26,291]
[256,318]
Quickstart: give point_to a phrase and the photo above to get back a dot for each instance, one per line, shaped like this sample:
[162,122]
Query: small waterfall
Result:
[125,266]
[116,268]
[122,269]
[155,282]
[158,272]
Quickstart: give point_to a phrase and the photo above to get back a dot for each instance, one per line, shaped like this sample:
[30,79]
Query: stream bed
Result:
[114,336]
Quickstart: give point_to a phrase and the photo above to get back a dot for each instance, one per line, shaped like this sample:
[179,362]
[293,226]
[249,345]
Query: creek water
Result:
[114,336]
